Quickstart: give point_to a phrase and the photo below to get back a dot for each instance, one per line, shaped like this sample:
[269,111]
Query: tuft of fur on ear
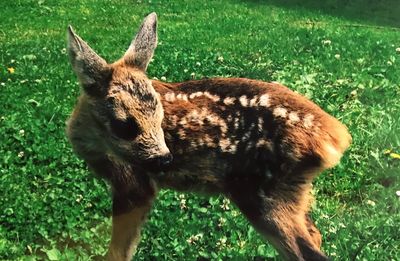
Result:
[142,47]
[90,68]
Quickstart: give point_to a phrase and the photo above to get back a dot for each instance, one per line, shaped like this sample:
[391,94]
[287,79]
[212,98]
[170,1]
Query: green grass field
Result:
[344,55]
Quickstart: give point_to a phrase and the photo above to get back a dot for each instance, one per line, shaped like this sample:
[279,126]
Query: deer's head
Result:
[120,100]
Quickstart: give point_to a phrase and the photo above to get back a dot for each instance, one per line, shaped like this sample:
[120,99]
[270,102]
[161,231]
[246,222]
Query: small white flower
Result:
[325,216]
[333,230]
[194,238]
[337,56]
[221,221]
[192,75]
[63,50]
[21,154]
[398,193]
[235,213]
[220,59]
[398,49]
[371,203]
[21,132]
[326,42]
[221,242]
[389,63]
[3,84]
[241,243]
[225,204]
[163,78]
[185,70]
[183,203]
[79,198]
[198,63]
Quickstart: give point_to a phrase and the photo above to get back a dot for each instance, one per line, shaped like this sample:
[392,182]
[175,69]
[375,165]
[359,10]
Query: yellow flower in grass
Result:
[394,155]
[10,69]
[391,154]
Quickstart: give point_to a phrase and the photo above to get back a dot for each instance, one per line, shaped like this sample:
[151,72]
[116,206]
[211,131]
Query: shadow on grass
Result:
[375,12]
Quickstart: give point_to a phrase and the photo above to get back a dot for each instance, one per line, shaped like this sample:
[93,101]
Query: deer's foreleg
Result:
[133,195]
[126,227]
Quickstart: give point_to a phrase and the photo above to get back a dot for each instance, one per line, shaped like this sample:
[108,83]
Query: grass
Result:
[341,54]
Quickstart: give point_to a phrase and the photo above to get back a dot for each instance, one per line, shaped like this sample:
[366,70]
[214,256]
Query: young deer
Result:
[259,144]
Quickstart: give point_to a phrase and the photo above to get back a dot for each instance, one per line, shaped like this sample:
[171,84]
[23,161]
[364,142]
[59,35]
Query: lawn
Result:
[344,55]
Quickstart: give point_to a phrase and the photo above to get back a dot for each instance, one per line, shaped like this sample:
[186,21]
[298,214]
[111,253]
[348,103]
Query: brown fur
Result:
[258,143]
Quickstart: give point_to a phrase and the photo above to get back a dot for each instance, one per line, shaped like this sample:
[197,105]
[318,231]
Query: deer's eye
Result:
[126,129]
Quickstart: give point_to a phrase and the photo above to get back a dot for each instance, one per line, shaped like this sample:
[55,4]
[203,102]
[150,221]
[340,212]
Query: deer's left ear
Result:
[142,47]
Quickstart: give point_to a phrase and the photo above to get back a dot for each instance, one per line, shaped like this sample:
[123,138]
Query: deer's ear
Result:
[91,69]
[142,47]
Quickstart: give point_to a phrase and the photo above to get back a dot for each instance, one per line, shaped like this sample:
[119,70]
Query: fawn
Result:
[260,144]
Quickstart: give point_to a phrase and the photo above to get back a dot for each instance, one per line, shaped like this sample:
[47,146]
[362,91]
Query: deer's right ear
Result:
[91,69]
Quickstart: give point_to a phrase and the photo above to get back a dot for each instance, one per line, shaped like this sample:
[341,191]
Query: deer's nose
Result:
[159,163]
[165,160]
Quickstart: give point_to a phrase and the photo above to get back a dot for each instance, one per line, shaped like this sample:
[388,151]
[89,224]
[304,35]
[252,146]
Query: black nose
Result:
[164,160]
[159,163]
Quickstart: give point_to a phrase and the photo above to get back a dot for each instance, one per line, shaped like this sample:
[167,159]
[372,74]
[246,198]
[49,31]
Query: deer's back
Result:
[233,128]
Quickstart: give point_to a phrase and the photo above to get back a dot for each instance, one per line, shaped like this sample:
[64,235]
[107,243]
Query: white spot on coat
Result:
[195,94]
[293,117]
[170,97]
[253,102]
[264,100]
[182,96]
[227,146]
[232,149]
[260,124]
[212,97]
[244,101]
[229,101]
[217,121]
[262,143]
[308,121]
[280,112]
[236,123]
[224,144]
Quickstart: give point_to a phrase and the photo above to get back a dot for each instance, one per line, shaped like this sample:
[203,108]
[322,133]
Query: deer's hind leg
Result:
[280,215]
[313,230]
